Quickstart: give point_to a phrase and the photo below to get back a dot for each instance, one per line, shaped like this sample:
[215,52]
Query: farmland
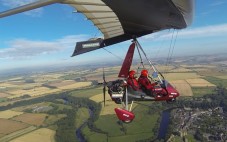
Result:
[23,121]
[42,134]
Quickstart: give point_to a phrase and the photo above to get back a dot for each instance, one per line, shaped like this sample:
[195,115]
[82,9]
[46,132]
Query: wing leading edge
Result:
[121,20]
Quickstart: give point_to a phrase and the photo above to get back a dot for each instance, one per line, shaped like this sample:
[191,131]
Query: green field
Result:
[201,91]
[112,129]
[81,116]
[217,81]
[88,92]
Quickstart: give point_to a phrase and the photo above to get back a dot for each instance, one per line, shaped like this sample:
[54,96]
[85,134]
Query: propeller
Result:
[104,88]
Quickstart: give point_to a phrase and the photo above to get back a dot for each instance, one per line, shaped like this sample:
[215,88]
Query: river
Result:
[79,135]
[164,124]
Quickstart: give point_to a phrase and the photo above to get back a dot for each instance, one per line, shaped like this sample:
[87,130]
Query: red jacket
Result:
[132,82]
[145,83]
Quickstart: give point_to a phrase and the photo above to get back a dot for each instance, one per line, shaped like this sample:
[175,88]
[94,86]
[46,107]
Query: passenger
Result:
[132,82]
[145,83]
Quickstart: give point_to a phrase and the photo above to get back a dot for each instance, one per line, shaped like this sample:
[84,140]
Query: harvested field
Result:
[32,92]
[182,87]
[180,76]
[198,66]
[3,95]
[40,135]
[181,69]
[32,119]
[199,82]
[76,85]
[109,108]
[16,134]
[99,97]
[110,105]
[9,114]
[4,85]
[62,83]
[9,126]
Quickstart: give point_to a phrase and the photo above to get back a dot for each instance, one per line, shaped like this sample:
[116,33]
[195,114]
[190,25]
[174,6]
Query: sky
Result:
[48,35]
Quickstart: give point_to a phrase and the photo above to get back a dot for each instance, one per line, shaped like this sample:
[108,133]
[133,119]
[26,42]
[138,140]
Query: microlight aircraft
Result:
[121,20]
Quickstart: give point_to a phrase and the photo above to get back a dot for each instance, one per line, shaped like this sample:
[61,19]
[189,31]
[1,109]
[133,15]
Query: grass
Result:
[3,99]
[190,138]
[81,116]
[130,138]
[87,92]
[201,91]
[141,128]
[216,81]
[51,119]
[108,123]
[92,136]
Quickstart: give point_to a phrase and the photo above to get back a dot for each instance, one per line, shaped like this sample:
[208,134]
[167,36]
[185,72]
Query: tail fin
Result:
[127,62]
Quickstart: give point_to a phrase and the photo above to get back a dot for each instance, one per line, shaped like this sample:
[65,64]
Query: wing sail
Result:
[101,15]
[121,20]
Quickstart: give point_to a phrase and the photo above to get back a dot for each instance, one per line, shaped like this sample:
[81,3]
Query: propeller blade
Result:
[104,95]
[104,88]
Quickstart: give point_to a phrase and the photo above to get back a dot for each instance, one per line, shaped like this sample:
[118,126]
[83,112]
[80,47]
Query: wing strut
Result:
[28,7]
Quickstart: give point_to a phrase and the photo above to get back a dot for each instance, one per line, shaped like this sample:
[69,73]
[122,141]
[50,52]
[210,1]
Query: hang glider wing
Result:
[121,20]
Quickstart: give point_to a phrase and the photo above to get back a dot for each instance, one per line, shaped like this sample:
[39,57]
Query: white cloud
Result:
[16,3]
[24,48]
[208,31]
[217,3]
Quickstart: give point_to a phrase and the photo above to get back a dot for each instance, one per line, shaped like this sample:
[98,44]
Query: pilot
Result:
[132,82]
[145,83]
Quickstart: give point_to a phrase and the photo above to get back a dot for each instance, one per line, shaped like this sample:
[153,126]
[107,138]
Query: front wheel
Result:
[171,100]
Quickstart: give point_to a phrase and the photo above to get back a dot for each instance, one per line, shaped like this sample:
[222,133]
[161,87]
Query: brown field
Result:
[76,85]
[3,95]
[62,83]
[40,135]
[9,114]
[198,66]
[99,98]
[32,92]
[9,126]
[180,76]
[182,87]
[16,134]
[4,85]
[199,82]
[32,119]
[181,69]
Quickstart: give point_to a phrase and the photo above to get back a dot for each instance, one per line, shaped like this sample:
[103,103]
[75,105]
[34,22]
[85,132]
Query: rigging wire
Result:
[171,56]
[171,49]
[161,45]
[113,54]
